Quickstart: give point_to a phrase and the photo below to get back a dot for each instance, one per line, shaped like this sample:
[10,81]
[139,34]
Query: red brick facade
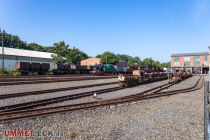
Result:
[202,62]
[90,61]
[194,62]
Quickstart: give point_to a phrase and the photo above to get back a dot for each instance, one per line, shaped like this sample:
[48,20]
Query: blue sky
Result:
[144,28]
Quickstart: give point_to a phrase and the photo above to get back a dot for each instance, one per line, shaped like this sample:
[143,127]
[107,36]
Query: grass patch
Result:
[9,73]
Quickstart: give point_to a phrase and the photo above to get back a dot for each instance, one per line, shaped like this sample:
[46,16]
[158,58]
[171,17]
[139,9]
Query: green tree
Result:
[58,59]
[47,49]
[138,60]
[14,41]
[74,56]
[167,64]
[157,64]
[110,57]
[60,49]
[122,57]
[147,62]
[133,60]
[34,46]
[98,56]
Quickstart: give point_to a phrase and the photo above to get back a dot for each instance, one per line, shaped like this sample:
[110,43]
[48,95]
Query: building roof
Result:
[26,53]
[190,54]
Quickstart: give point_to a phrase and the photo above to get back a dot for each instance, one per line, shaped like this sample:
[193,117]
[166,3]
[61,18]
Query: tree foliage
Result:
[109,58]
[65,54]
[114,58]
[14,41]
[60,49]
[62,52]
[74,56]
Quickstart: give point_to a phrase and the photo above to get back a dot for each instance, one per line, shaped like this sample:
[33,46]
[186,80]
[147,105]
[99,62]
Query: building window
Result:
[197,60]
[186,61]
[23,58]
[206,62]
[206,58]
[176,59]
[9,57]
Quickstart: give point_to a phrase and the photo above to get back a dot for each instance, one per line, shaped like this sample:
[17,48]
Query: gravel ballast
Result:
[43,86]
[17,100]
[190,82]
[115,94]
[173,117]
[131,91]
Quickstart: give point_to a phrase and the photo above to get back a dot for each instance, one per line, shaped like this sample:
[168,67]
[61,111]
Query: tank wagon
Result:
[112,69]
[140,77]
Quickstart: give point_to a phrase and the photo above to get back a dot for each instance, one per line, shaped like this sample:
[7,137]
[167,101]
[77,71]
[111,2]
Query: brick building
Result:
[197,63]
[90,61]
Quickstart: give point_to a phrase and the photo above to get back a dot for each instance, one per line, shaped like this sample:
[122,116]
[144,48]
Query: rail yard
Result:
[99,107]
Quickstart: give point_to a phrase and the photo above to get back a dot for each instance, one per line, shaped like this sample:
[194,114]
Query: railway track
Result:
[198,85]
[38,92]
[40,76]
[49,101]
[49,80]
[9,115]
[50,76]
[8,79]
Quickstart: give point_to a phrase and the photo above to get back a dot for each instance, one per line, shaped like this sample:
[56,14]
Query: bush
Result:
[4,72]
[18,73]
[15,73]
[50,72]
[9,73]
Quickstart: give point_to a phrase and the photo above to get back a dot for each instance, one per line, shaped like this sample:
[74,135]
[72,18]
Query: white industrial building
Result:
[11,56]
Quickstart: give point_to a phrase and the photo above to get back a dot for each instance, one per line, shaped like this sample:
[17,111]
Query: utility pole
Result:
[3,50]
[106,57]
[11,41]
[2,45]
[209,63]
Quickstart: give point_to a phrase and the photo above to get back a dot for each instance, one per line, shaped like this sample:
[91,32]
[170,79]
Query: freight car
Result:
[179,76]
[71,69]
[59,69]
[112,69]
[131,69]
[140,77]
[108,69]
[36,68]
[42,68]
[23,67]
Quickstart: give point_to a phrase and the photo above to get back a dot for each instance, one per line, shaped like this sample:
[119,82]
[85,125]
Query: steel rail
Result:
[48,101]
[20,94]
[54,80]
[75,106]
[47,78]
[31,113]
[56,99]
